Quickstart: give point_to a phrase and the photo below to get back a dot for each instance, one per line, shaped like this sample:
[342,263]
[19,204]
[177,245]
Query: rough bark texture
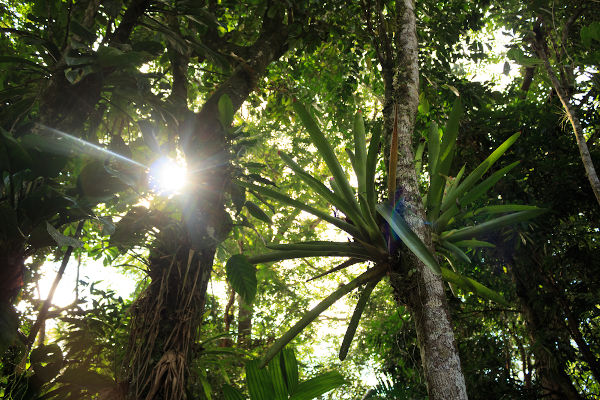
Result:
[245,314]
[424,292]
[562,92]
[173,304]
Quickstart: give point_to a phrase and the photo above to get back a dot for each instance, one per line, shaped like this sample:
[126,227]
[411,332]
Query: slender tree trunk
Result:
[544,334]
[245,314]
[561,91]
[424,292]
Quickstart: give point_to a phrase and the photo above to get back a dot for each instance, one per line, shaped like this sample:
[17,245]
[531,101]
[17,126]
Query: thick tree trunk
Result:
[423,292]
[168,315]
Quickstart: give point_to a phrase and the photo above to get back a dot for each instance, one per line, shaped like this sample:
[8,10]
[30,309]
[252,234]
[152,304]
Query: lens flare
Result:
[167,176]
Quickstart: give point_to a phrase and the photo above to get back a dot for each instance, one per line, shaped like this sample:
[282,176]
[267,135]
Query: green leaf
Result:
[343,225]
[241,275]
[472,244]
[9,323]
[276,256]
[277,378]
[478,172]
[226,111]
[20,60]
[332,198]
[373,273]
[433,147]
[326,151]
[46,361]
[419,157]
[358,310]
[473,286]
[258,381]
[322,246]
[501,209]
[231,393]
[289,364]
[484,186]
[492,225]
[257,212]
[61,239]
[315,387]
[456,251]
[371,167]
[408,237]
[360,150]
[82,32]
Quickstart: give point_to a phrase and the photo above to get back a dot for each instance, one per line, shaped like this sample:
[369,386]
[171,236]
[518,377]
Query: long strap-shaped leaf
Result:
[326,152]
[314,387]
[350,247]
[310,316]
[410,239]
[472,285]
[443,162]
[343,225]
[370,171]
[488,226]
[478,172]
[358,310]
[483,187]
[360,152]
[349,262]
[281,255]
[332,198]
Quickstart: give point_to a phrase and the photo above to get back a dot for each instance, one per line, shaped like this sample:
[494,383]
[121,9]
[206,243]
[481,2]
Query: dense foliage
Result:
[260,99]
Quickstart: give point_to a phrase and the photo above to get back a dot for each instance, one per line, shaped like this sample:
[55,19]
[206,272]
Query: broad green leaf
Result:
[478,172]
[408,237]
[258,381]
[289,365]
[492,225]
[231,393]
[62,240]
[257,212]
[313,388]
[310,316]
[241,275]
[278,378]
[484,186]
[226,111]
[343,225]
[473,286]
[358,310]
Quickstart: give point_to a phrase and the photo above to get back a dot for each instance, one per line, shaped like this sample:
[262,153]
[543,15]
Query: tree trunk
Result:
[167,316]
[423,292]
[544,333]
[562,92]
[245,314]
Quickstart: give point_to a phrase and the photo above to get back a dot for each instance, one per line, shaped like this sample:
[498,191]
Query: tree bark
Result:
[561,91]
[424,292]
[245,313]
[167,316]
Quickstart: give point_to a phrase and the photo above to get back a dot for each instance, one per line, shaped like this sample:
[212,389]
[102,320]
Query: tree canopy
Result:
[314,199]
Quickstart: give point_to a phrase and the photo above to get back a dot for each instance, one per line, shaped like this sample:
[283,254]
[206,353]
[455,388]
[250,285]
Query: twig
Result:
[46,306]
